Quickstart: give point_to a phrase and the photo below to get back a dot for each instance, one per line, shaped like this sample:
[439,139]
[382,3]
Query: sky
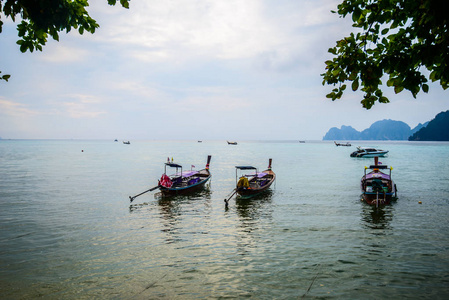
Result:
[185,69]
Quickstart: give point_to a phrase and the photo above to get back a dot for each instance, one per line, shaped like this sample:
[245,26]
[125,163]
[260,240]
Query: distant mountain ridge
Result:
[436,130]
[380,130]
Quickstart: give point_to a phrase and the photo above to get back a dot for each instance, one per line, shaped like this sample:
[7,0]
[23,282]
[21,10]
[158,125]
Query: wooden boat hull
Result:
[187,188]
[344,145]
[255,186]
[183,182]
[378,198]
[383,195]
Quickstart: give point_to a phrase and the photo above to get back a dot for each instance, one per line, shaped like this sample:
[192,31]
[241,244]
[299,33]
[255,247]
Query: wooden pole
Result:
[152,189]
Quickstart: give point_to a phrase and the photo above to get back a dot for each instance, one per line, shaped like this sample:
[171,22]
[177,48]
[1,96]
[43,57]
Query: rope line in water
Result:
[313,281]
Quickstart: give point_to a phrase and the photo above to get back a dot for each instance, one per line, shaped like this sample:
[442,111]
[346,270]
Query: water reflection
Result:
[255,207]
[204,193]
[252,217]
[172,210]
[377,217]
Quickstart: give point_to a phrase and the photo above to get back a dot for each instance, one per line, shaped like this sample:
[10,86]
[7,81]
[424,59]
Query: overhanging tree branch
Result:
[44,18]
[400,37]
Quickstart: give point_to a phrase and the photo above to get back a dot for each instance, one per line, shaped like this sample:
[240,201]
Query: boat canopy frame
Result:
[378,167]
[243,168]
[172,165]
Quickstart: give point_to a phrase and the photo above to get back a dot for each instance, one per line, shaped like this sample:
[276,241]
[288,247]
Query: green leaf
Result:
[125,3]
[398,89]
[356,14]
[23,48]
[384,100]
[425,88]
[355,85]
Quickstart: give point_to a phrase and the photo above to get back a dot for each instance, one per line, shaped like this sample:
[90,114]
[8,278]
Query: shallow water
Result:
[68,230]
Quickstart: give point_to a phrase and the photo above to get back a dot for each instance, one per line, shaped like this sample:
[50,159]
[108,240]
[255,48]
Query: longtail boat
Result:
[377,187]
[347,144]
[181,182]
[249,185]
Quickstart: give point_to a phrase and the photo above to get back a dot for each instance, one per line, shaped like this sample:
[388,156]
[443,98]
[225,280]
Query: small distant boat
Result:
[250,185]
[200,141]
[115,140]
[232,143]
[368,152]
[126,143]
[183,181]
[344,145]
[377,187]
[302,142]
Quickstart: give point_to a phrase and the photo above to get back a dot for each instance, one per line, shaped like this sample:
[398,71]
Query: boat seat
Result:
[177,180]
[193,181]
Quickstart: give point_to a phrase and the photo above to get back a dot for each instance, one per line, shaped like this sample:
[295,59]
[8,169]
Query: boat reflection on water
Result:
[377,217]
[173,209]
[169,216]
[253,204]
[254,209]
[254,215]
[201,194]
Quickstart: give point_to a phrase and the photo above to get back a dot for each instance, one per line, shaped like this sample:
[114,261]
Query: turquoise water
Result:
[68,230]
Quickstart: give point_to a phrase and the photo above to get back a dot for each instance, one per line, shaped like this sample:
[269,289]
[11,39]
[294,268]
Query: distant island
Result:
[434,130]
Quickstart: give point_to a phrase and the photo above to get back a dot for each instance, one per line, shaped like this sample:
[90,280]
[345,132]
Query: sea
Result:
[69,231]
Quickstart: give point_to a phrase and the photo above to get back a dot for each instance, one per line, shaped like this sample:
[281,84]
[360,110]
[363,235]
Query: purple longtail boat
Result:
[377,187]
[255,183]
[183,181]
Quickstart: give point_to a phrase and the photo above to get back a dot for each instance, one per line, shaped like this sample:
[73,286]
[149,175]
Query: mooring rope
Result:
[313,280]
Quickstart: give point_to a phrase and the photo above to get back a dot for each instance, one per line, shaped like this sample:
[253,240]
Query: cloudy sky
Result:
[185,69]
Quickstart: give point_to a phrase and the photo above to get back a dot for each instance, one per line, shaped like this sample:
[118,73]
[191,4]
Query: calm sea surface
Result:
[68,230]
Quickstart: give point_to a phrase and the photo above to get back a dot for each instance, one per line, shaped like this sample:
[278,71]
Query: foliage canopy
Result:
[42,18]
[406,40]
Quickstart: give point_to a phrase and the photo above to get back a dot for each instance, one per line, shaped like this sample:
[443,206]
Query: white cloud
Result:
[15,109]
[230,29]
[82,106]
[61,53]
[224,62]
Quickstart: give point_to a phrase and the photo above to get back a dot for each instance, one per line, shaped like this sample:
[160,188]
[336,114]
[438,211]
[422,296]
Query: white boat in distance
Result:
[368,152]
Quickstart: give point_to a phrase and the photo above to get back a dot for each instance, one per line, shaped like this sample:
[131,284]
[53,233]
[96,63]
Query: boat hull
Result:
[254,188]
[382,197]
[378,198]
[371,155]
[182,190]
